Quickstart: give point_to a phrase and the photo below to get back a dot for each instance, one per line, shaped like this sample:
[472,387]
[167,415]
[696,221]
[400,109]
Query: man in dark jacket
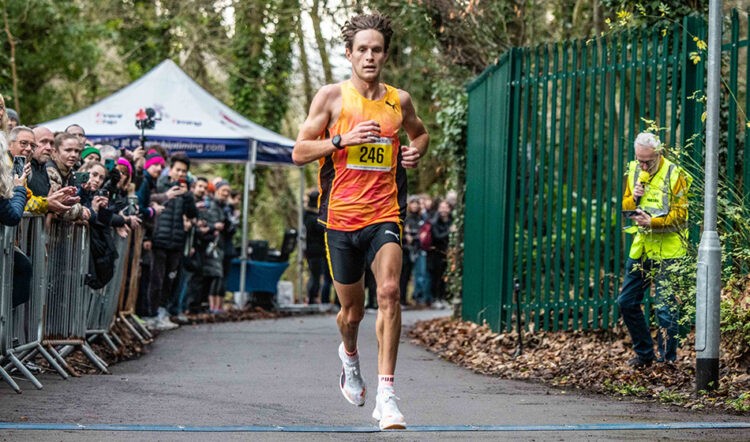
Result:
[168,240]
[437,257]
[39,180]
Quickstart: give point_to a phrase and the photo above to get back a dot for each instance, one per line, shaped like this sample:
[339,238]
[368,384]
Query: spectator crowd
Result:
[187,221]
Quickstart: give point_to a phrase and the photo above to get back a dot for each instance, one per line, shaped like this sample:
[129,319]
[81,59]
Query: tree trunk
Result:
[304,65]
[320,41]
[14,73]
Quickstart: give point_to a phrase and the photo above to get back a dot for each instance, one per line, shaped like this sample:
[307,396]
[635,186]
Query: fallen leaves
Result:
[589,360]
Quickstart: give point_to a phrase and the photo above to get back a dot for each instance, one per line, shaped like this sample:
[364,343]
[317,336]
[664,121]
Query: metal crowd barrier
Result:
[7,235]
[104,302]
[129,293]
[68,295]
[26,320]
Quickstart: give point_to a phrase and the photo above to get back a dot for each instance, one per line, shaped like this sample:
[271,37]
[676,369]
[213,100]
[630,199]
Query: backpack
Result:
[425,236]
[102,258]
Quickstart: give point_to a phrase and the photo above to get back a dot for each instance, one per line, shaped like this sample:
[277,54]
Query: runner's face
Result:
[367,54]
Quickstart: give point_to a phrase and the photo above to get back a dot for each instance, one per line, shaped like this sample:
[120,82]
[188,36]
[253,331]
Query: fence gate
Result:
[550,133]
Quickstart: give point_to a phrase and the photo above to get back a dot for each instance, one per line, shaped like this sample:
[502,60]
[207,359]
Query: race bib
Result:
[376,155]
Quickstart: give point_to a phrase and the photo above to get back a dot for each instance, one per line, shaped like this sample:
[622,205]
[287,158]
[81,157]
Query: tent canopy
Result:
[189,119]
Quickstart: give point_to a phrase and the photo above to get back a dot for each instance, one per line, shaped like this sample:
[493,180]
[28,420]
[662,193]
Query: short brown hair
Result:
[362,22]
[61,137]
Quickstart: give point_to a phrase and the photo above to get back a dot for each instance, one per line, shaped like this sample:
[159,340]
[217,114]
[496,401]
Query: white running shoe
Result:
[164,324]
[351,383]
[387,412]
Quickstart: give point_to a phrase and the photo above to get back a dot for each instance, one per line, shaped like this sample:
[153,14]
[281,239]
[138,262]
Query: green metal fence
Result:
[550,133]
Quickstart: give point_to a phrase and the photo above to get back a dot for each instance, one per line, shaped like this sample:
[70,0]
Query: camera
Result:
[145,119]
[110,184]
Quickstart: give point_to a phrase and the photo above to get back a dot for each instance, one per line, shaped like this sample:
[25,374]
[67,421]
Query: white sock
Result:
[385,383]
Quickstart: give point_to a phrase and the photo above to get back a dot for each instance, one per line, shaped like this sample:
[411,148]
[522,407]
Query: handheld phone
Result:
[18,163]
[629,213]
[80,178]
[109,164]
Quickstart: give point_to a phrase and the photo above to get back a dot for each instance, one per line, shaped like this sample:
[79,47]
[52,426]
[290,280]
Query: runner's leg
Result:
[387,270]
[352,298]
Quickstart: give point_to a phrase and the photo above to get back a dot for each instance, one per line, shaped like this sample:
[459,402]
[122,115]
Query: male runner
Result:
[352,129]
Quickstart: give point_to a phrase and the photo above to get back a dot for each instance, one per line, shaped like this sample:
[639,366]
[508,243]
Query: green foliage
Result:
[624,388]
[741,403]
[53,45]
[262,48]
[644,14]
[669,396]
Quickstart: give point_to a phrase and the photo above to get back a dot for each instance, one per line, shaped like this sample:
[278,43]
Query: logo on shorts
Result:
[392,233]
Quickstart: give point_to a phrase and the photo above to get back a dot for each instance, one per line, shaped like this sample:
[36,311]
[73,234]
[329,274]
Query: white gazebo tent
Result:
[188,119]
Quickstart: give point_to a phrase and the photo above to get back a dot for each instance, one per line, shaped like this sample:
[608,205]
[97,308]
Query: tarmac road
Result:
[284,373]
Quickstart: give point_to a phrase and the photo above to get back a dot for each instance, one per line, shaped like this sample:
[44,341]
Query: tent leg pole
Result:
[249,186]
[300,239]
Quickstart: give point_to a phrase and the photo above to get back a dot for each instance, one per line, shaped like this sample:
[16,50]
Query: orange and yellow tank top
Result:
[364,184]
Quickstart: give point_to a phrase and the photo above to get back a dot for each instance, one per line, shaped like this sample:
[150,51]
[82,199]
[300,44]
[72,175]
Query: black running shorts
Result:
[348,252]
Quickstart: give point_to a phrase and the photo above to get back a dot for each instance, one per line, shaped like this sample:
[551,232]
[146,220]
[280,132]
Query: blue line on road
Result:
[636,426]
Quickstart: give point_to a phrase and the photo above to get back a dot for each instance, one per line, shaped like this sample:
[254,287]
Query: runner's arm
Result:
[308,146]
[419,139]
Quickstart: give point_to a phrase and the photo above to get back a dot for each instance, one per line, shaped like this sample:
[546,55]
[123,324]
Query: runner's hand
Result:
[364,132]
[409,157]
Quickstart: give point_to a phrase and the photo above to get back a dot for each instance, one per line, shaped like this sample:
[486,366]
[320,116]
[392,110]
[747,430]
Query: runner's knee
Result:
[388,292]
[352,315]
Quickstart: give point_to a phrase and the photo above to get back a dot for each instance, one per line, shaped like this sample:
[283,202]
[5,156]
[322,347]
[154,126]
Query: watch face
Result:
[337,141]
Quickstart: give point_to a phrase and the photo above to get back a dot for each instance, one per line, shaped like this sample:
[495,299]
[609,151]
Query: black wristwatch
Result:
[336,140]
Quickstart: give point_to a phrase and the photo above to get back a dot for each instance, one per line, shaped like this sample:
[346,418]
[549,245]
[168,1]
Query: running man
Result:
[352,129]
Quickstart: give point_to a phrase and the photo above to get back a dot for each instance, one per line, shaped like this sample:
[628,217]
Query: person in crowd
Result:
[437,257]
[192,293]
[232,221]
[108,152]
[78,132]
[90,197]
[45,143]
[315,254]
[428,206]
[422,279]
[12,189]
[124,216]
[153,165]
[13,120]
[3,117]
[352,130]
[657,190]
[232,218]
[169,236]
[217,220]
[410,247]
[91,153]
[65,156]
[95,196]
[12,202]
[22,143]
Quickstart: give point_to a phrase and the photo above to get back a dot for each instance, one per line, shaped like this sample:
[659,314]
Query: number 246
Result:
[372,154]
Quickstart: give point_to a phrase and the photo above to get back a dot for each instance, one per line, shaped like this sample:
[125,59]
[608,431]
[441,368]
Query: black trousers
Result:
[164,269]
